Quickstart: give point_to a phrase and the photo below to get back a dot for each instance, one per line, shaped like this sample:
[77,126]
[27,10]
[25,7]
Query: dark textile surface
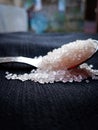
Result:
[31,106]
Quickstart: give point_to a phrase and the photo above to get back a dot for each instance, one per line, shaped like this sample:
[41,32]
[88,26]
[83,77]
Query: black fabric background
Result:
[31,106]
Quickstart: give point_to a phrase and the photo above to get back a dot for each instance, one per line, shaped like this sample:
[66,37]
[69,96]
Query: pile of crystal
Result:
[64,64]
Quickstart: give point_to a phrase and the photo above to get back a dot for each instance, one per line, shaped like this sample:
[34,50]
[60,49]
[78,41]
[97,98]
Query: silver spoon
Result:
[38,62]
[20,59]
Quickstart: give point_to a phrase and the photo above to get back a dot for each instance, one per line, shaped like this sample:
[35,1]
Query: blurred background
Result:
[45,16]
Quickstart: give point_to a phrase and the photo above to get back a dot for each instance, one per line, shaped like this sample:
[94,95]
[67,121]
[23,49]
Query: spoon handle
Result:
[20,59]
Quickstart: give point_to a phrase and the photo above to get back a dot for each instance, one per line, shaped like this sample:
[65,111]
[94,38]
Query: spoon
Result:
[68,56]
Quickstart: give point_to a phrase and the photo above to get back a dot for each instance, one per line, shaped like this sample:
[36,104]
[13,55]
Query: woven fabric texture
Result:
[33,106]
